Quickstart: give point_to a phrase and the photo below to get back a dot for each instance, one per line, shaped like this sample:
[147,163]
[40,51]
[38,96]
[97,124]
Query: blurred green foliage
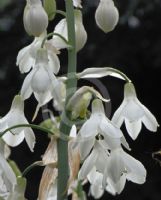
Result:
[4,3]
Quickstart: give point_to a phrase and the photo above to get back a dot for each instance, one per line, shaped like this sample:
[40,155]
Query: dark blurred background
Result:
[134,47]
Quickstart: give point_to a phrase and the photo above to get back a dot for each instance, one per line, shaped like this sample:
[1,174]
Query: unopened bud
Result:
[35,18]
[106,15]
[50,8]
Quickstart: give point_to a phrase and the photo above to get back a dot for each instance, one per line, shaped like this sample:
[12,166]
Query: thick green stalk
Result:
[65,125]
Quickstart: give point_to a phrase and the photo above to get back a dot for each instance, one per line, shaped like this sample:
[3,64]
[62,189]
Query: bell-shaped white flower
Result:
[106,15]
[27,56]
[41,80]
[98,123]
[134,113]
[15,117]
[122,166]
[80,33]
[35,18]
[99,128]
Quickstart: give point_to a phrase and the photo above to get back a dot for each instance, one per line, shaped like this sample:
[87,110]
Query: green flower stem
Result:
[50,35]
[45,130]
[60,12]
[30,167]
[65,125]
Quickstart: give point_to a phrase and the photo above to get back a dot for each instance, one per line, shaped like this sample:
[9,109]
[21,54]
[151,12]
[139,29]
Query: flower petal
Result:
[116,188]
[136,172]
[96,191]
[133,128]
[30,138]
[87,165]
[118,118]
[90,127]
[26,90]
[149,120]
[116,165]
[54,62]
[13,140]
[110,129]
[133,111]
[85,146]
[43,98]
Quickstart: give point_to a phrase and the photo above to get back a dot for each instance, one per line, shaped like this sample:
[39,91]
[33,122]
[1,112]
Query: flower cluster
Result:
[95,141]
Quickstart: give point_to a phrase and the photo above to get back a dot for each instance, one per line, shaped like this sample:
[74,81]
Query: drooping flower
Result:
[15,117]
[99,123]
[35,18]
[80,33]
[106,15]
[122,166]
[134,113]
[41,80]
[27,56]
[99,127]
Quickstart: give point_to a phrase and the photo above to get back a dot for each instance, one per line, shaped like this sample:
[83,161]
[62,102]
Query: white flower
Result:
[77,3]
[35,18]
[106,15]
[27,56]
[99,123]
[41,80]
[15,117]
[7,176]
[99,127]
[133,113]
[122,166]
[80,33]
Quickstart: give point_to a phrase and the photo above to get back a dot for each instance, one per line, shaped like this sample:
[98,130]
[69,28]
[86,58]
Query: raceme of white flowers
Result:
[98,150]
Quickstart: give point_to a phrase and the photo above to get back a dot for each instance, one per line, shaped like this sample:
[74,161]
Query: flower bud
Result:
[106,15]
[50,8]
[35,18]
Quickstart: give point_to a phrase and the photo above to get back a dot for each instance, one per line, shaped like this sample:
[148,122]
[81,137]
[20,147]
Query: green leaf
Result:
[50,8]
